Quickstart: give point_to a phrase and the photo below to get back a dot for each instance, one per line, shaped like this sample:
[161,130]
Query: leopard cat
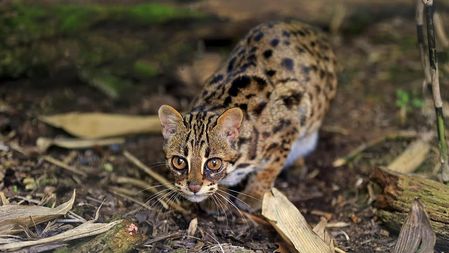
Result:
[256,115]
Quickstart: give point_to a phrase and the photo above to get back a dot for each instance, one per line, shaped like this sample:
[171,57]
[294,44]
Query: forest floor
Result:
[380,75]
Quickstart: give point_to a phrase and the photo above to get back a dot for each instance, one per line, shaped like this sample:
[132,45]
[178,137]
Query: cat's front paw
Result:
[250,202]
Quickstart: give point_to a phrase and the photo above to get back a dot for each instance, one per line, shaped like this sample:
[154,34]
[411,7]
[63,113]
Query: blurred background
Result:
[132,56]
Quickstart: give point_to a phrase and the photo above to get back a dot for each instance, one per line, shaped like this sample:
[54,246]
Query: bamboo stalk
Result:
[431,77]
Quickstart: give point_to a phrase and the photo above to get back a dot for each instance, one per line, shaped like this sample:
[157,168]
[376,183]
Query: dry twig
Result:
[61,164]
[430,67]
[147,170]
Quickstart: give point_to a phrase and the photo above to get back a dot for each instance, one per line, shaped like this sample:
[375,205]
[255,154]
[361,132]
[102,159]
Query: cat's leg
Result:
[259,183]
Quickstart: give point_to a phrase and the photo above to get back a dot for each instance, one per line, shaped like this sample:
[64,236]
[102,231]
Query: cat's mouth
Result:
[195,197]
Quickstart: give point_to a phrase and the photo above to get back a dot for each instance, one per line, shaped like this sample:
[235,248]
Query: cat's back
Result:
[271,58]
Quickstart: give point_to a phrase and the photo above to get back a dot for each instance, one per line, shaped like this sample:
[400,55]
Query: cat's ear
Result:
[170,120]
[229,122]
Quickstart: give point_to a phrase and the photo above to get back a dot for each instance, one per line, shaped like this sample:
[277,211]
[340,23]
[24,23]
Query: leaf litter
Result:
[16,218]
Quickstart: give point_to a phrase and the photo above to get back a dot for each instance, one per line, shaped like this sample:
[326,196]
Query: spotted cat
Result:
[255,115]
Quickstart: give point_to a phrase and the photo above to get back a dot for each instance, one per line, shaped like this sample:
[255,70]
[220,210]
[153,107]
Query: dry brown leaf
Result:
[69,143]
[290,224]
[101,125]
[412,156]
[320,230]
[83,230]
[416,233]
[193,225]
[13,217]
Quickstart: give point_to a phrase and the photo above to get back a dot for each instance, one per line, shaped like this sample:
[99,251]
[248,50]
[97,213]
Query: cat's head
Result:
[199,148]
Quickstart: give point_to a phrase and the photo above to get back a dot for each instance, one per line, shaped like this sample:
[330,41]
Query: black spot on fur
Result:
[286,34]
[306,70]
[287,63]
[293,99]
[266,134]
[242,165]
[207,152]
[267,53]
[244,67]
[253,50]
[274,42]
[231,64]
[186,151]
[300,49]
[270,72]
[243,141]
[272,146]
[260,82]
[227,101]
[216,79]
[259,108]
[287,42]
[244,107]
[252,58]
[258,36]
[322,73]
[239,83]
[282,124]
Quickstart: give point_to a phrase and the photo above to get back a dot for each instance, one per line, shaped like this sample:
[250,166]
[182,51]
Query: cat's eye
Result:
[214,164]
[179,163]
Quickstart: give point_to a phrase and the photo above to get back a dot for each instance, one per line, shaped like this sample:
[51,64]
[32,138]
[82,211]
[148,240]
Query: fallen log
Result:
[398,191]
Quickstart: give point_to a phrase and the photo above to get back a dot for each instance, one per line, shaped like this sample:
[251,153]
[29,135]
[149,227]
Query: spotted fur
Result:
[282,78]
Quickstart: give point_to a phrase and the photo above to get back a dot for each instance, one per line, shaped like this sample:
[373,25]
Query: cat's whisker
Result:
[244,194]
[150,188]
[156,195]
[162,198]
[237,198]
[233,205]
[221,205]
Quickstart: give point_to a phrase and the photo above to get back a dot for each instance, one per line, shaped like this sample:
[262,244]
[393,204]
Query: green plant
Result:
[406,102]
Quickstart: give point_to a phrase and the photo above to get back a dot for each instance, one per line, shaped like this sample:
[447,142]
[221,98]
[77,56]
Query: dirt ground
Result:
[378,57]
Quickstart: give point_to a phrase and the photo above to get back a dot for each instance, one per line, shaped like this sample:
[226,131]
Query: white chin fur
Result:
[196,198]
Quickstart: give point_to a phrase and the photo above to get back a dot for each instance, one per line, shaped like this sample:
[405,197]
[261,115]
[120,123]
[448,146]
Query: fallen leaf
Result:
[83,230]
[69,143]
[416,233]
[101,125]
[193,225]
[13,217]
[290,224]
[409,160]
[320,230]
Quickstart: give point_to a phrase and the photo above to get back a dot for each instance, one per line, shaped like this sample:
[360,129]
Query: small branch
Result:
[355,152]
[431,68]
[441,128]
[421,44]
[63,165]
[147,170]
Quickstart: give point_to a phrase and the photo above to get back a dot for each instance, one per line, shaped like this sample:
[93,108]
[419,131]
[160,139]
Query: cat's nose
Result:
[194,187]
